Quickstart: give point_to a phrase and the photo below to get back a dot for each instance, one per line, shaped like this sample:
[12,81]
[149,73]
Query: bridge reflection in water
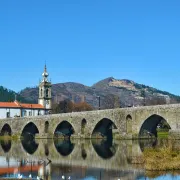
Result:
[52,159]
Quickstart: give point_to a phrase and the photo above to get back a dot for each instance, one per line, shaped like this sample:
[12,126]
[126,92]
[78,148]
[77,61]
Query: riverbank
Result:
[161,159]
[164,157]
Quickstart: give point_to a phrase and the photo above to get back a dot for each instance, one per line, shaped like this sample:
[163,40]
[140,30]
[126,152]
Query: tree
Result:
[111,101]
[155,101]
[68,106]
[82,106]
[143,94]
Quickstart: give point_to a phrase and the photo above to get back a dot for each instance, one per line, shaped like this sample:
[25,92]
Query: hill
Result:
[111,91]
[7,95]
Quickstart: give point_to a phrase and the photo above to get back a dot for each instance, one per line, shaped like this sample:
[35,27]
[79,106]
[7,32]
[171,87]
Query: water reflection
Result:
[46,150]
[147,143]
[83,163]
[83,151]
[6,145]
[104,148]
[29,145]
[63,146]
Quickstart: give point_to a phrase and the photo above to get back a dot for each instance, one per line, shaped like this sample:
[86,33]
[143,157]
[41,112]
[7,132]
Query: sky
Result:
[88,40]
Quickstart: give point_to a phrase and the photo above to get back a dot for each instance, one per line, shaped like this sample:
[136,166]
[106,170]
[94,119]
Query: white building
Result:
[17,109]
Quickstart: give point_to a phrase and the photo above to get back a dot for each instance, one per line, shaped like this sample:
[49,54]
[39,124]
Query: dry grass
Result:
[165,157]
[162,158]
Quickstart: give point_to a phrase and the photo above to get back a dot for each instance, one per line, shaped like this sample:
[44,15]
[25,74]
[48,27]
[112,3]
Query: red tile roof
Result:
[33,106]
[16,104]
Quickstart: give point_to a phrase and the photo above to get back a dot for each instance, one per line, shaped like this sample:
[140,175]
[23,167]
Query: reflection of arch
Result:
[83,152]
[29,145]
[64,147]
[30,130]
[104,129]
[64,130]
[83,125]
[129,124]
[147,143]
[6,130]
[6,145]
[46,127]
[46,150]
[149,126]
[104,149]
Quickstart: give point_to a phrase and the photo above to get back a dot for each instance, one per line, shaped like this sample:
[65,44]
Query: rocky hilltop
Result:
[123,92]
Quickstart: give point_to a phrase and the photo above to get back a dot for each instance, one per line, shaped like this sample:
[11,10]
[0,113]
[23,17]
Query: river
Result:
[76,160]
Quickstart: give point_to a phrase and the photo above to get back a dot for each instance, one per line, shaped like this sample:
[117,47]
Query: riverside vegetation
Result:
[165,157]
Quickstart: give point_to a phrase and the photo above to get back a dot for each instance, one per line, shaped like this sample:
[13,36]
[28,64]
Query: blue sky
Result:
[88,40]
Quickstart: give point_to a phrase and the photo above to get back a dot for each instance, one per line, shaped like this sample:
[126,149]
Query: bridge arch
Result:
[30,129]
[83,126]
[46,127]
[104,129]
[6,130]
[64,130]
[149,125]
[129,124]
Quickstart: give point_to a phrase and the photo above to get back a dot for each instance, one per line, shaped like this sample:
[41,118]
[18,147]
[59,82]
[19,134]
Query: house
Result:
[17,109]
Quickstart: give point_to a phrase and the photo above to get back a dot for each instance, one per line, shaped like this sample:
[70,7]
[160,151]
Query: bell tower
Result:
[45,97]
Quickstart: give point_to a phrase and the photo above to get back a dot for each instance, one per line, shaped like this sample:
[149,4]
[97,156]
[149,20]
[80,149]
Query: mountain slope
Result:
[129,93]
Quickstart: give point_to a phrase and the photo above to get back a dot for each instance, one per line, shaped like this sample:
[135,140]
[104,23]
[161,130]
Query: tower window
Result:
[41,92]
[47,92]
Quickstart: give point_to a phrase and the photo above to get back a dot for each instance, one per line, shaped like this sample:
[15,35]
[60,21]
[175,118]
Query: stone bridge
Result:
[119,123]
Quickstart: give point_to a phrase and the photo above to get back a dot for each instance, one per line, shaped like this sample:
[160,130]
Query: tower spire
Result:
[45,68]
[45,74]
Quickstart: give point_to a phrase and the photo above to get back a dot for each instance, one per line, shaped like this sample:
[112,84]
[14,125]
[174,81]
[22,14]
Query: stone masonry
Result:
[127,120]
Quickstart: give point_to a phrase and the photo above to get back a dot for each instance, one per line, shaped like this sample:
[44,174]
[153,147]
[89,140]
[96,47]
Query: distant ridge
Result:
[129,92]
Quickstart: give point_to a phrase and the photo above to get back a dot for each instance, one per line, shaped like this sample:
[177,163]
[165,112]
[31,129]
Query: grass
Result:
[163,134]
[162,158]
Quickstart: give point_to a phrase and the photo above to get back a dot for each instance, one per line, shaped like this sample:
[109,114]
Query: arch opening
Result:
[46,127]
[129,124]
[83,126]
[6,130]
[64,130]
[104,129]
[152,126]
[29,131]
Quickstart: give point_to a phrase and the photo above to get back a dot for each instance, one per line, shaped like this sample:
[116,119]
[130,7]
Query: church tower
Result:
[45,97]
